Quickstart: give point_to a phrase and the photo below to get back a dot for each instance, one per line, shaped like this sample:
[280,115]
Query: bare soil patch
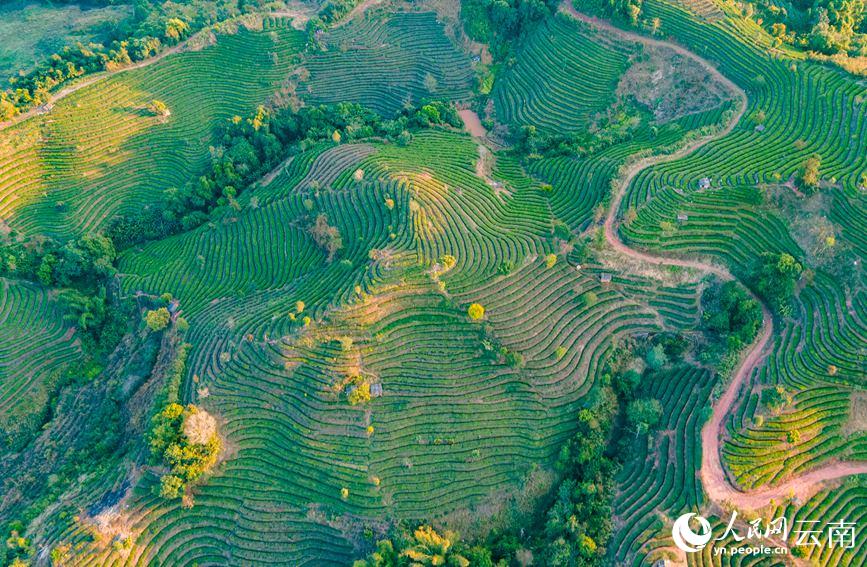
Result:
[670,85]
[857,422]
[472,123]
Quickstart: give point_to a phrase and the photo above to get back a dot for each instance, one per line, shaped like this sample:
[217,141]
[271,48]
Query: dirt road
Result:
[714,479]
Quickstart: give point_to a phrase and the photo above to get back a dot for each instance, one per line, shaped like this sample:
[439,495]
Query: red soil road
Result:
[714,479]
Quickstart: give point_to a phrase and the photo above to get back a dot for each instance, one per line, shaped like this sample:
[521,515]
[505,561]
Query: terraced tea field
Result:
[393,324]
[100,152]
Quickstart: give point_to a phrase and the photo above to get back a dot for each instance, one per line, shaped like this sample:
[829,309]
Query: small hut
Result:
[605,278]
[682,218]
[704,183]
[375,390]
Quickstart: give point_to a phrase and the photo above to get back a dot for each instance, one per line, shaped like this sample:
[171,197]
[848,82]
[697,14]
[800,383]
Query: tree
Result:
[656,358]
[643,415]
[810,172]
[158,108]
[360,394]
[326,236]
[475,311]
[171,486]
[8,110]
[157,319]
[176,29]
[199,426]
[550,260]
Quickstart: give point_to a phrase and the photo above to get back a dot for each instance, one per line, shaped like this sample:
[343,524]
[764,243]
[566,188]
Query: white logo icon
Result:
[685,538]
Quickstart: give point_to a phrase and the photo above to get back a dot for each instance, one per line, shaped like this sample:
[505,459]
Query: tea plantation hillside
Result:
[37,344]
[102,151]
[434,283]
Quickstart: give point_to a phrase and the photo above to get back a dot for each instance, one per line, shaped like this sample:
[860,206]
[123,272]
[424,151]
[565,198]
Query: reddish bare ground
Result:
[472,123]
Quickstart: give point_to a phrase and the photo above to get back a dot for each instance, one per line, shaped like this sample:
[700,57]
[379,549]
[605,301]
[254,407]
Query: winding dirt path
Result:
[714,479]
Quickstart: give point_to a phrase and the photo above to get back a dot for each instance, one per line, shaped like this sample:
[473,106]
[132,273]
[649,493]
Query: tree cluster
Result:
[731,318]
[185,440]
[426,547]
[82,268]
[617,126]
[826,26]
[77,263]
[774,277]
[623,10]
[499,23]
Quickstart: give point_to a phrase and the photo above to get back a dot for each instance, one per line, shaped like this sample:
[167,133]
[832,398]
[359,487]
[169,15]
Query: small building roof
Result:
[682,217]
[605,277]
[375,390]
[704,182]
[760,128]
